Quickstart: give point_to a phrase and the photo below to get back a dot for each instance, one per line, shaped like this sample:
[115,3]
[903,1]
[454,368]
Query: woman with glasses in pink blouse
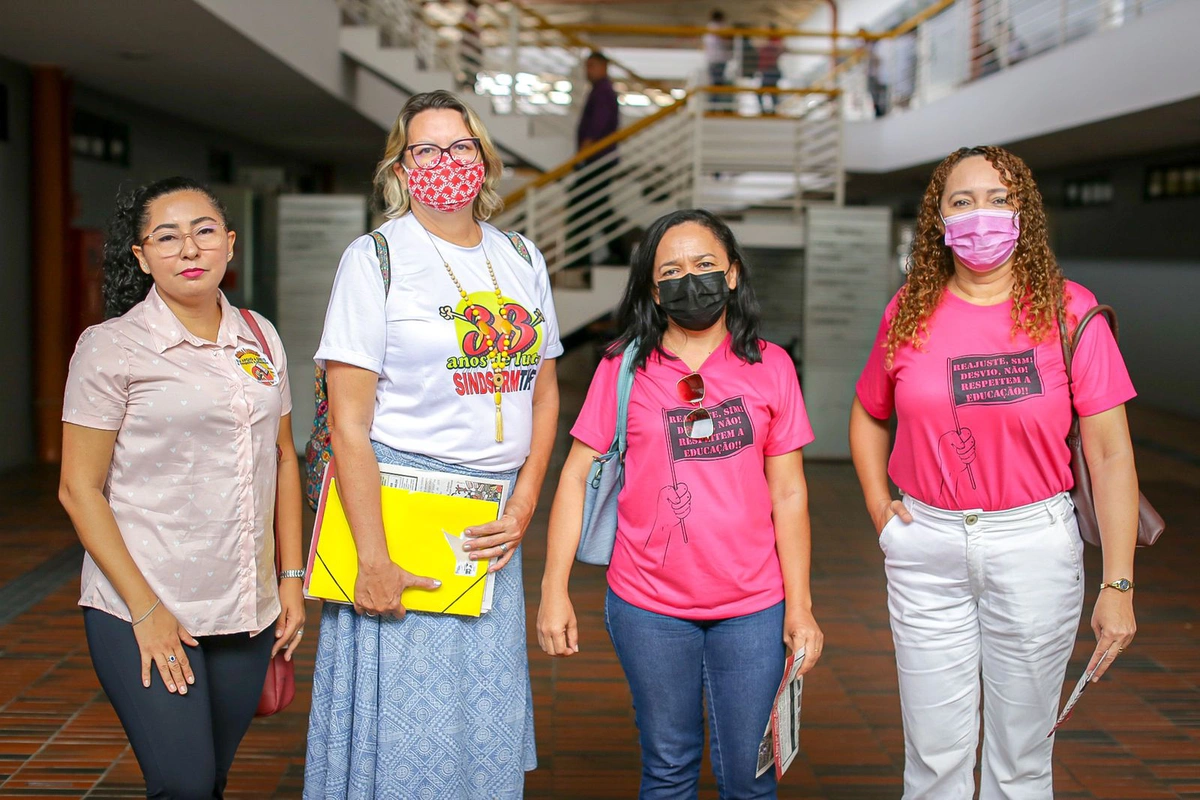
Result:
[177,465]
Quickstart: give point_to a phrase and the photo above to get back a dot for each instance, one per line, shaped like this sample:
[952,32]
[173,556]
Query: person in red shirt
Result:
[768,67]
[983,554]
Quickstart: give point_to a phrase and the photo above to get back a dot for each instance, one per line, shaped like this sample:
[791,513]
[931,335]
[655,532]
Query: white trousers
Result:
[970,592]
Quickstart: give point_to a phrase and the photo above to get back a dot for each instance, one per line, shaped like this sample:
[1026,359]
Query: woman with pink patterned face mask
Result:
[983,554]
[439,349]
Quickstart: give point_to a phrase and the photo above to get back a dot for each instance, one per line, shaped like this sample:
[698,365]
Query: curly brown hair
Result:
[1037,290]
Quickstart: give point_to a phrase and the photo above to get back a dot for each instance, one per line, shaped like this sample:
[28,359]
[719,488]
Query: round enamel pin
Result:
[256,365]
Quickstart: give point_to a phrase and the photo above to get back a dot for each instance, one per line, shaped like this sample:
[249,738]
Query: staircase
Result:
[541,141]
[711,148]
[764,170]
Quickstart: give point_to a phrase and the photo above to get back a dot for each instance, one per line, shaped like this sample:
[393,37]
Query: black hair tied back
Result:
[125,285]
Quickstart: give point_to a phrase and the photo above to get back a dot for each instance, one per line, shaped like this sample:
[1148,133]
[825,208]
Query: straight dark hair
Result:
[124,284]
[640,318]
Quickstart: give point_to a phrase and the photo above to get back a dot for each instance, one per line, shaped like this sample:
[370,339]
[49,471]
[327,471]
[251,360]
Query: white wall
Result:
[1149,62]
[310,44]
[16,401]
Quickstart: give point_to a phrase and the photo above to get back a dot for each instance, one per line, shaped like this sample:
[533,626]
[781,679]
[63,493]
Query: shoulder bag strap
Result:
[258,333]
[624,389]
[262,342]
[385,260]
[1071,343]
[1108,313]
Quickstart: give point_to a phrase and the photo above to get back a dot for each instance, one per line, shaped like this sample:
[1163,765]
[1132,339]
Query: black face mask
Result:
[694,301]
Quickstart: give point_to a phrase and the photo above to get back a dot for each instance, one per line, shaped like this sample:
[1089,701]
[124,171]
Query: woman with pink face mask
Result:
[439,356]
[982,555]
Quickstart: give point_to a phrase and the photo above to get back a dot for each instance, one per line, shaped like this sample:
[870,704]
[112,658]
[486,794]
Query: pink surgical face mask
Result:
[983,239]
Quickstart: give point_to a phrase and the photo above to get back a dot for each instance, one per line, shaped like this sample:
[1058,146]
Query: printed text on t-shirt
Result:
[998,378]
[732,431]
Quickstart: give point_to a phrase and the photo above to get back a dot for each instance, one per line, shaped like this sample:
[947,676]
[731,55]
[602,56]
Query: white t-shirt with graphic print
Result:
[435,392]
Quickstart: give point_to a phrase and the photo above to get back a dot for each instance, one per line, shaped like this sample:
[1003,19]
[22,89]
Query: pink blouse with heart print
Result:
[192,480]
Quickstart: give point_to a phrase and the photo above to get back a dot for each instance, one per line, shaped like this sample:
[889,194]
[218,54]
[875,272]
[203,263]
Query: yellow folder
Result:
[424,536]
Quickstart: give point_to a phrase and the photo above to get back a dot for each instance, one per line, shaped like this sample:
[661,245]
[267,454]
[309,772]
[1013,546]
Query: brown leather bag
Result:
[1150,524]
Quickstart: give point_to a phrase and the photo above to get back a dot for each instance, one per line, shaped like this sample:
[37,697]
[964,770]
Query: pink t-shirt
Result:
[982,416]
[695,538]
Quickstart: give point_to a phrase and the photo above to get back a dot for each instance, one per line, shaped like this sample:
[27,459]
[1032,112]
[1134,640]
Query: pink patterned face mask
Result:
[446,187]
[983,239]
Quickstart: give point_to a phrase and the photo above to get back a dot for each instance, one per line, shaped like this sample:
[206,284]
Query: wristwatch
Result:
[1120,584]
[299,573]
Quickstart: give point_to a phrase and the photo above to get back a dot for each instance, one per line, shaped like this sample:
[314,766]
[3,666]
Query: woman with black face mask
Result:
[709,578]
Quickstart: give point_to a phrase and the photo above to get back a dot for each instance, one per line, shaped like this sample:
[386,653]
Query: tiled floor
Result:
[1136,735]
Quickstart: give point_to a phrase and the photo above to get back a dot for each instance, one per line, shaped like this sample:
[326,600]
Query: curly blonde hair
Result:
[393,191]
[1037,291]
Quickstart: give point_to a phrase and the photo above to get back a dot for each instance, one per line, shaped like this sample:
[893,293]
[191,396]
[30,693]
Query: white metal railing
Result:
[691,158]
[967,41]
[602,199]
[500,50]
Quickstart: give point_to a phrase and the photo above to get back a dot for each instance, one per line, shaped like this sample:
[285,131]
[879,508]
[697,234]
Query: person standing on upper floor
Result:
[983,555]
[411,704]
[769,52]
[180,477]
[716,56]
[601,118]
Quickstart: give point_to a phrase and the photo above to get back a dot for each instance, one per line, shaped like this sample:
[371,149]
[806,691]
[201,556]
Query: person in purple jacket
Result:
[600,119]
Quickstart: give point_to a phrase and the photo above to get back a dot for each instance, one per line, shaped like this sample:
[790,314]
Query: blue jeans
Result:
[672,666]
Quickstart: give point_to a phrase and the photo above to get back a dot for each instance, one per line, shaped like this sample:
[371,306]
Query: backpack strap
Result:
[385,261]
[519,244]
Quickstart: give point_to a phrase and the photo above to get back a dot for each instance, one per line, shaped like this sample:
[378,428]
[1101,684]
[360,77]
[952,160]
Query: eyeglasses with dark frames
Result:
[428,155]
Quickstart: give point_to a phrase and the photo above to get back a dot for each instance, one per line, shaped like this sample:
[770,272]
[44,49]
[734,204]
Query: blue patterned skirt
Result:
[431,707]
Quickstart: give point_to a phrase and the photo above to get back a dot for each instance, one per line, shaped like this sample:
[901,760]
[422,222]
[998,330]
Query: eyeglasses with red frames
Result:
[698,423]
[428,155]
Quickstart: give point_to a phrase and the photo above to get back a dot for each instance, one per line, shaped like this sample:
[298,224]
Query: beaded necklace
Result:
[498,349]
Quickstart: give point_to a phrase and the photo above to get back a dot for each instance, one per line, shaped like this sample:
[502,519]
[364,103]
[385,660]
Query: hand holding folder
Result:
[424,532]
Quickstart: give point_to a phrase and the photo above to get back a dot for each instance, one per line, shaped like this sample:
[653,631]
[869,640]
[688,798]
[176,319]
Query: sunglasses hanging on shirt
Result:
[698,423]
